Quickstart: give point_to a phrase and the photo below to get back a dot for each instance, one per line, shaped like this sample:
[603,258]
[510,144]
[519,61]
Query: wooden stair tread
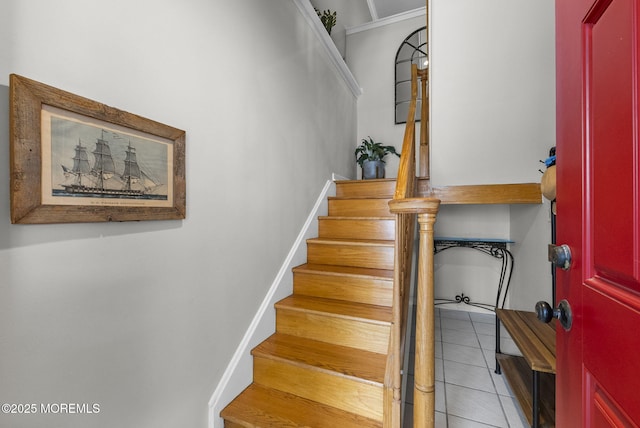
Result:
[355,242]
[339,360]
[343,309]
[361,218]
[535,339]
[360,198]
[262,407]
[345,271]
[520,379]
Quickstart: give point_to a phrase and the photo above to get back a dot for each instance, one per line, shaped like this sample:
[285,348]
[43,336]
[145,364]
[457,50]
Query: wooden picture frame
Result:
[77,160]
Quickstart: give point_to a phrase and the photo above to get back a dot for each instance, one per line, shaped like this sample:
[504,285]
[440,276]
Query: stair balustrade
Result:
[407,207]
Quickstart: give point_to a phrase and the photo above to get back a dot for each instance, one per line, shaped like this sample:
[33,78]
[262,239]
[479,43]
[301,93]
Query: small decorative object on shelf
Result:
[327,18]
[370,156]
[548,181]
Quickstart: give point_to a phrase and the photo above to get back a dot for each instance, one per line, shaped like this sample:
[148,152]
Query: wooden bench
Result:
[532,375]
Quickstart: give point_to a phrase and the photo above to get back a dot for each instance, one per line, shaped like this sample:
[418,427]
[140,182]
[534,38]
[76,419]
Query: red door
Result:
[598,207]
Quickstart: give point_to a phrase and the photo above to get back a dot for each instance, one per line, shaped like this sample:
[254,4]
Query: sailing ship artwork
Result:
[100,164]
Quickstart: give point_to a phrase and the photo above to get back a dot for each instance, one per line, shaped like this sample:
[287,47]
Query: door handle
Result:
[560,255]
[562,313]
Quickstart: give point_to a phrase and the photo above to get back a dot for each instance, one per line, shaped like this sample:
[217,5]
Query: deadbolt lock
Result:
[560,255]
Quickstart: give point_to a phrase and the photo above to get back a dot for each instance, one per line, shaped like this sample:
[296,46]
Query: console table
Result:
[496,248]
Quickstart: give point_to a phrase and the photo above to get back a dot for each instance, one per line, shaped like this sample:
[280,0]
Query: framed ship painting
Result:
[77,160]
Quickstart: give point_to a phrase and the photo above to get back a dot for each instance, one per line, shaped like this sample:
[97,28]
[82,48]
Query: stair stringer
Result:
[239,372]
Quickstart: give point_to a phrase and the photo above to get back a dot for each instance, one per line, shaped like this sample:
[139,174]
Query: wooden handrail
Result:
[407,208]
[405,183]
[405,187]
[424,124]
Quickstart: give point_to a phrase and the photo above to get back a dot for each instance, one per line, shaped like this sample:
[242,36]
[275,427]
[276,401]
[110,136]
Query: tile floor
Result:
[468,392]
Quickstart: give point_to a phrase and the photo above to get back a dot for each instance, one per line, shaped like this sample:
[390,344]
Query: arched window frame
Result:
[413,50]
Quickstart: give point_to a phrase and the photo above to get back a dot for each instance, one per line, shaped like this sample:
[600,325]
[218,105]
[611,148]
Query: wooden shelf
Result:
[520,378]
[482,194]
[536,340]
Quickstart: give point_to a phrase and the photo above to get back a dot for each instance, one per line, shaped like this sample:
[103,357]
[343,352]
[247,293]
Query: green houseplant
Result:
[370,156]
[327,18]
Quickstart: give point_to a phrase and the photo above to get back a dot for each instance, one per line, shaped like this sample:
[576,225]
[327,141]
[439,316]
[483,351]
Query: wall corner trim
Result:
[372,10]
[307,11]
[416,13]
[226,390]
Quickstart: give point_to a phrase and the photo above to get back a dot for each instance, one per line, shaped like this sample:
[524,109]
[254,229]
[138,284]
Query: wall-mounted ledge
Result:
[307,11]
[416,13]
[483,194]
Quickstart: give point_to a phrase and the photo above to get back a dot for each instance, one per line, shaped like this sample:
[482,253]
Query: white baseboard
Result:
[338,177]
[239,373]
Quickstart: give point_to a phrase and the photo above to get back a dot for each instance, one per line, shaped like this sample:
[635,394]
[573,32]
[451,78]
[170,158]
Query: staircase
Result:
[325,365]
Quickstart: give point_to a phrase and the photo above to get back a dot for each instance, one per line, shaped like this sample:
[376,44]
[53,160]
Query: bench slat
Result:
[536,340]
[520,378]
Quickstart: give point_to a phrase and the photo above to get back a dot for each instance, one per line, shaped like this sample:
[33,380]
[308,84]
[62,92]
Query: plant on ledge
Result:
[327,18]
[370,156]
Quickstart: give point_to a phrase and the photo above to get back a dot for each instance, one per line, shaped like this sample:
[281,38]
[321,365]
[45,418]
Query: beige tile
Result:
[477,317]
[487,341]
[463,354]
[475,405]
[468,376]
[439,369]
[460,337]
[461,315]
[457,324]
[456,422]
[514,414]
[440,398]
[501,384]
[484,328]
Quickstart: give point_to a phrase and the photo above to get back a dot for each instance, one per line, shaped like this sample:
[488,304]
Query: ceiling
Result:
[384,8]
[353,13]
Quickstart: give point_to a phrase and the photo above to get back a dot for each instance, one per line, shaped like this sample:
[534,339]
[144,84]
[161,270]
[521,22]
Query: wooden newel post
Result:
[424,399]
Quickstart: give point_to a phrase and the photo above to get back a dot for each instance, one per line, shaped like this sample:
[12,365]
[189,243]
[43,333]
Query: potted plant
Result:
[370,156]
[327,18]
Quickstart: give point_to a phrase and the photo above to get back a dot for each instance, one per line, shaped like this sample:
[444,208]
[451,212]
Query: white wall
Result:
[531,229]
[371,57]
[143,318]
[493,90]
[348,14]
[492,120]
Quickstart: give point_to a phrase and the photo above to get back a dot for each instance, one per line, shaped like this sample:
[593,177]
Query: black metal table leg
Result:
[498,351]
[496,248]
